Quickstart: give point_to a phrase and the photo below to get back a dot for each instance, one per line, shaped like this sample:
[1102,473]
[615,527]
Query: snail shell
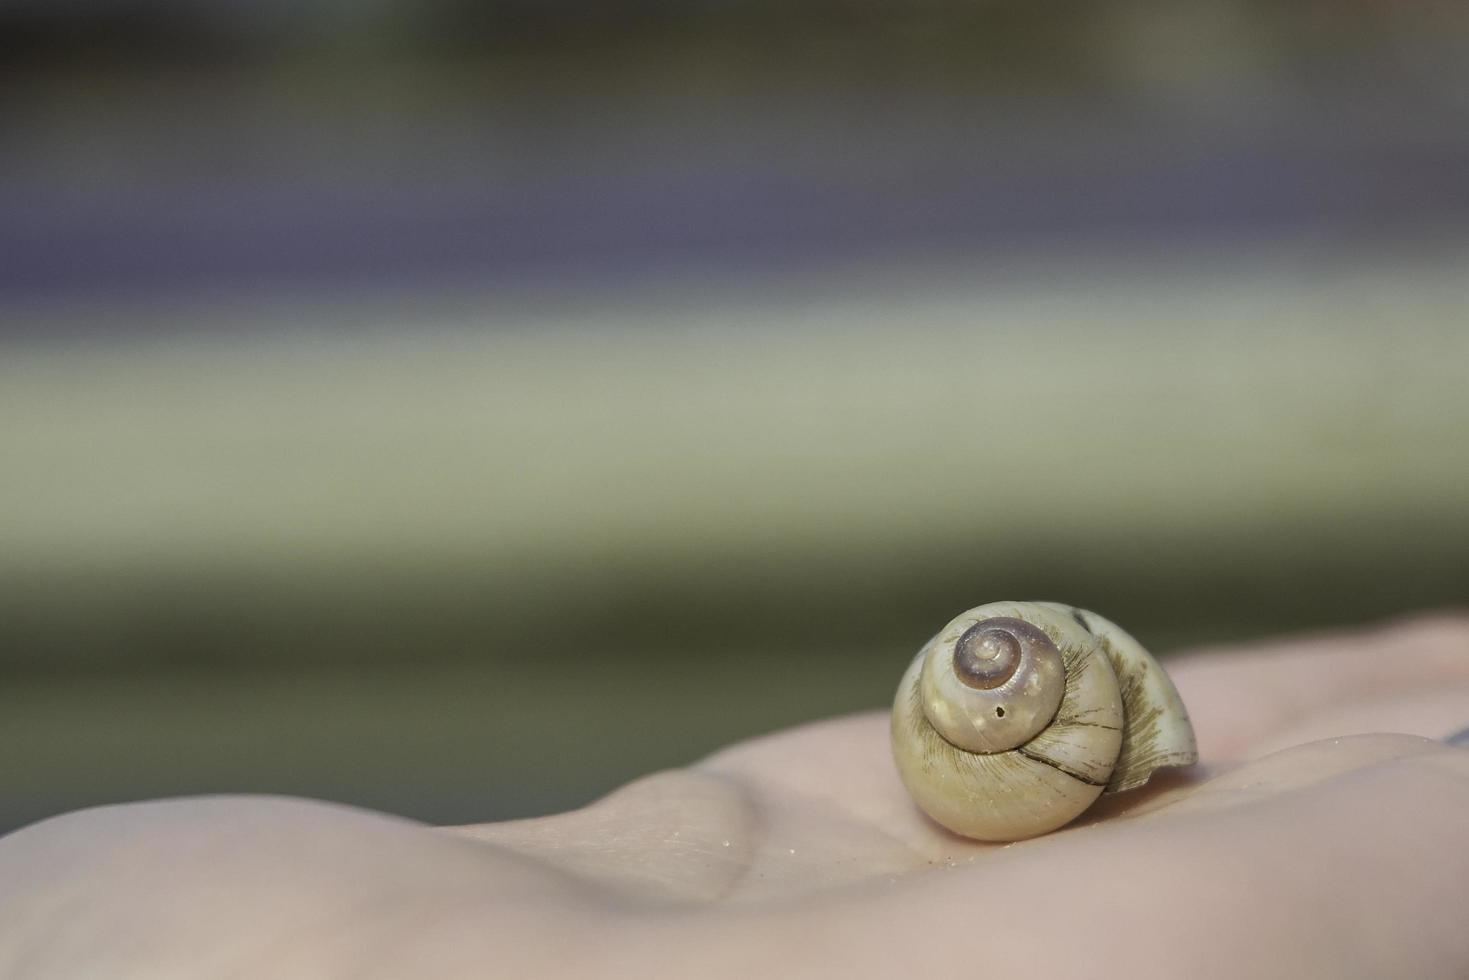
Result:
[1018,715]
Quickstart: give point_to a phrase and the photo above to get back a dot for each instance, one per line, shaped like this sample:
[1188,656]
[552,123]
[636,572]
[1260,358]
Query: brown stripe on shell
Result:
[1142,749]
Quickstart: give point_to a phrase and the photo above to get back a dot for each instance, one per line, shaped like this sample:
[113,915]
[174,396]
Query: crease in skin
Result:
[781,842]
[845,767]
[830,803]
[811,816]
[755,832]
[677,836]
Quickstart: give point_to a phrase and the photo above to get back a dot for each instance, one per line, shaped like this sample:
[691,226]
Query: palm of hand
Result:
[1288,852]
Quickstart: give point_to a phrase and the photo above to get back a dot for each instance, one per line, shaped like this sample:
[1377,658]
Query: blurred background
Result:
[461,408]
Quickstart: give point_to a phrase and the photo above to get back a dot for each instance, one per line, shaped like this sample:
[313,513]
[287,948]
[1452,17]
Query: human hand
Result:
[1299,847]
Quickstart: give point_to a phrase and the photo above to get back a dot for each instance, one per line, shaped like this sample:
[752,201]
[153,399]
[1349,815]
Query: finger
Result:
[1435,714]
[1241,697]
[679,836]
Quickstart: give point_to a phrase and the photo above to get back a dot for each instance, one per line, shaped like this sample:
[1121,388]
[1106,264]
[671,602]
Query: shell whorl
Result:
[993,687]
[1016,716]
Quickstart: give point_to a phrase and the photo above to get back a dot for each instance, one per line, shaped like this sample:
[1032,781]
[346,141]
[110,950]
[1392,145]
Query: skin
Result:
[1307,843]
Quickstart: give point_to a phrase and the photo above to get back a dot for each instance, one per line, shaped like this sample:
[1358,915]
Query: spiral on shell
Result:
[1017,716]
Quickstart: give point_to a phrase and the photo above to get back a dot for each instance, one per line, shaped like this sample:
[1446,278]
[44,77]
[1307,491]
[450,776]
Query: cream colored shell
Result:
[1119,719]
